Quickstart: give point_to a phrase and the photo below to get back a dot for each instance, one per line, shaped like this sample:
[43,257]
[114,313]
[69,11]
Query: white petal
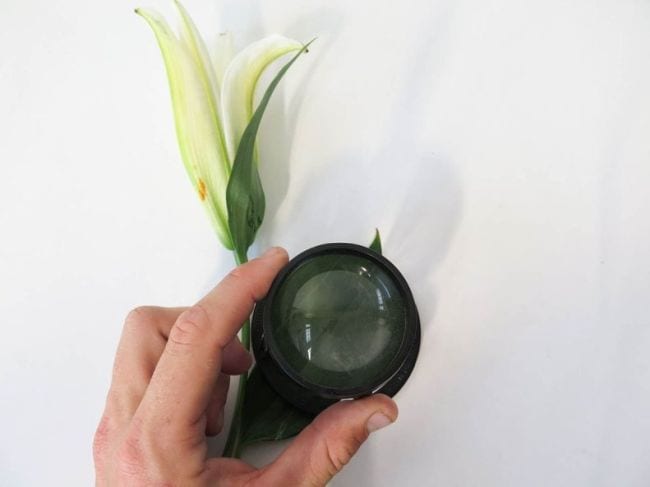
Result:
[191,37]
[222,55]
[240,80]
[197,132]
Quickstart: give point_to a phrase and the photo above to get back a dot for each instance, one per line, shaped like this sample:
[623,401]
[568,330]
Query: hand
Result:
[170,382]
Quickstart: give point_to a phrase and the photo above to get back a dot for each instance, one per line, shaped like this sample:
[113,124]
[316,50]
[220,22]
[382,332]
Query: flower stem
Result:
[234,445]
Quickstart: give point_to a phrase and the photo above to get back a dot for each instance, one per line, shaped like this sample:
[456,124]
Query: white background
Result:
[502,148]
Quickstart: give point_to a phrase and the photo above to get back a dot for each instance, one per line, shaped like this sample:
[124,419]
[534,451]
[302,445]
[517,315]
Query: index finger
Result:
[182,383]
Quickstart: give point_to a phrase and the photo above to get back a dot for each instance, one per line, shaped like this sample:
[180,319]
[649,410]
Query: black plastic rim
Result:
[313,397]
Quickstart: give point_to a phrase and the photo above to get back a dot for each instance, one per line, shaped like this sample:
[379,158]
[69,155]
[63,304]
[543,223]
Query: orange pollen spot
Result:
[202,190]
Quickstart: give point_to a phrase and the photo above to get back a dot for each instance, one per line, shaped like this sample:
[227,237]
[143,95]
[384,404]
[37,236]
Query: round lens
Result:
[338,320]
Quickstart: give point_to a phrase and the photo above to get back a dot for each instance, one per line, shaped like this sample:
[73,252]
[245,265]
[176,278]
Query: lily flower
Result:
[212,100]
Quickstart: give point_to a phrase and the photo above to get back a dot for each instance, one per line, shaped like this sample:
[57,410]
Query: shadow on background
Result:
[281,118]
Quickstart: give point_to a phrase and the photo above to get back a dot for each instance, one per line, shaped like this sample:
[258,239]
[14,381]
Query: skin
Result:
[170,380]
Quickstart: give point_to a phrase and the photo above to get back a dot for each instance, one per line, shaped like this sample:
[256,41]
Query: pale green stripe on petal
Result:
[240,80]
[195,124]
[191,37]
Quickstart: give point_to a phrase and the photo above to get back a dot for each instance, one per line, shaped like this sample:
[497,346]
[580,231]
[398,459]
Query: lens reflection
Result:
[339,319]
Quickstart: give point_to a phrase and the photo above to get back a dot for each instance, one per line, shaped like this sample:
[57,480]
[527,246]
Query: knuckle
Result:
[333,453]
[338,454]
[101,439]
[141,316]
[191,328]
[144,454]
[339,451]
[240,280]
[130,456]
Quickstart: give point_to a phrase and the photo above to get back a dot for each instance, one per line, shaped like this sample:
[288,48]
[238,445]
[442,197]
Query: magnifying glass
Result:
[339,322]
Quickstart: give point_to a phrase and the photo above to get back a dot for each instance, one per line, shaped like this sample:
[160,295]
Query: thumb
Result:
[328,443]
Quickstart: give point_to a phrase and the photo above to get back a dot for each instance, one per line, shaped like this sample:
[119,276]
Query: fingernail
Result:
[377,421]
[271,252]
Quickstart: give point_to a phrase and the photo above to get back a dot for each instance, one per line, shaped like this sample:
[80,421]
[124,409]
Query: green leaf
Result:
[376,243]
[244,195]
[266,416]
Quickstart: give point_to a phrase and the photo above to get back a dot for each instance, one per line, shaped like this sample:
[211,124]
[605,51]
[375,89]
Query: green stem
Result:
[234,445]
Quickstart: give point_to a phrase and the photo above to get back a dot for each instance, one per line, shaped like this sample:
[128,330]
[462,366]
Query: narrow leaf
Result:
[266,416]
[376,243]
[245,195]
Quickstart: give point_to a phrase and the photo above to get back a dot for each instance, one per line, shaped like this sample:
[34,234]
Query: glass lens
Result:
[338,320]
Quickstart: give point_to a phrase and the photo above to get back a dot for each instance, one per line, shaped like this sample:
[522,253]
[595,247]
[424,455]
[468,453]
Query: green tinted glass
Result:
[338,320]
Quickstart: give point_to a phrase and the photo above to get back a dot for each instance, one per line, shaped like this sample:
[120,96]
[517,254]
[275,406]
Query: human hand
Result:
[169,387]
